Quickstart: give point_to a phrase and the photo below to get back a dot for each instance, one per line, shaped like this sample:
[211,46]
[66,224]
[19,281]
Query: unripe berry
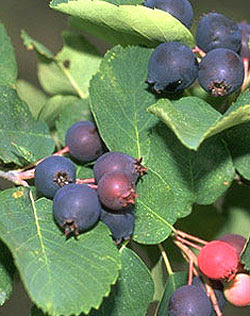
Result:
[237,292]
[218,260]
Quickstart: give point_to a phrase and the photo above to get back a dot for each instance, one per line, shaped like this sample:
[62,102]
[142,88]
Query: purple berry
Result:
[116,190]
[53,173]
[121,224]
[180,9]
[216,30]
[172,68]
[76,208]
[84,142]
[245,32]
[189,300]
[221,72]
[118,161]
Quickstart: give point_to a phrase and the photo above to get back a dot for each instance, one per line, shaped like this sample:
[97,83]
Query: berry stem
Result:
[166,260]
[246,74]
[189,243]
[13,177]
[196,49]
[188,236]
[85,181]
[190,271]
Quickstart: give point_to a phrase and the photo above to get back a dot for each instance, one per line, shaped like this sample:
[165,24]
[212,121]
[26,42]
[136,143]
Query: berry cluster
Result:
[222,44]
[220,271]
[110,197]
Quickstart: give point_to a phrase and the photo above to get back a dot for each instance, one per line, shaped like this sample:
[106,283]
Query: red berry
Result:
[218,260]
[237,292]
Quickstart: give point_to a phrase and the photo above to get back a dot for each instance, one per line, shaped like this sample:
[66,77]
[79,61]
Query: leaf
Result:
[6,274]
[245,257]
[176,177]
[36,311]
[54,106]
[157,276]
[118,95]
[193,120]
[8,65]
[83,172]
[62,277]
[174,281]
[72,68]
[125,24]
[32,44]
[134,290]
[77,111]
[123,2]
[19,130]
[34,97]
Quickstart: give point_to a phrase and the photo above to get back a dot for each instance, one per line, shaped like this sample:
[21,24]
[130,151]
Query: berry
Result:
[116,190]
[76,208]
[84,141]
[218,260]
[216,30]
[117,161]
[236,241]
[189,300]
[180,9]
[121,224]
[221,72]
[245,32]
[237,292]
[218,290]
[53,173]
[172,67]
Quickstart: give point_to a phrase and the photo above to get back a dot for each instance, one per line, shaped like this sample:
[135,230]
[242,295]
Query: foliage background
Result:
[46,25]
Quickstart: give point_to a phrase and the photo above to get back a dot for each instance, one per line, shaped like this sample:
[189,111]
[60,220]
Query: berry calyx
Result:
[218,260]
[237,292]
[116,190]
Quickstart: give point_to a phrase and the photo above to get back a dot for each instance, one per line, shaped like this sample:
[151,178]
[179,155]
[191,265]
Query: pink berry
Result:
[218,260]
[237,292]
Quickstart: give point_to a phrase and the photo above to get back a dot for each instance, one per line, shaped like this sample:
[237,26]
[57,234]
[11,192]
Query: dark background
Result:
[45,25]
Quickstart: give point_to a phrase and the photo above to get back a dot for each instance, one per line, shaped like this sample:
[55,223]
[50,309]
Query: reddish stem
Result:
[87,180]
[189,243]
[193,238]
[199,51]
[246,67]
[93,186]
[62,151]
[190,271]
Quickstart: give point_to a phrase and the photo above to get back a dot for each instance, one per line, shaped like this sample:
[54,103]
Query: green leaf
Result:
[6,274]
[71,69]
[174,281]
[77,111]
[83,172]
[54,106]
[20,130]
[133,291]
[124,2]
[119,99]
[193,120]
[34,97]
[8,65]
[176,177]
[245,257]
[157,276]
[125,24]
[62,277]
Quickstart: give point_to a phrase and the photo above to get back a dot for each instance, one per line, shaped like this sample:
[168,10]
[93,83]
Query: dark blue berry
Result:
[116,190]
[189,300]
[84,142]
[221,72]
[245,32]
[218,290]
[172,67]
[180,9]
[216,30]
[53,173]
[121,224]
[76,208]
[118,161]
